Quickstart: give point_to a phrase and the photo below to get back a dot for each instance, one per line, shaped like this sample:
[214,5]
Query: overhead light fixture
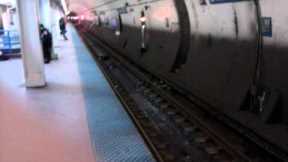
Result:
[143,19]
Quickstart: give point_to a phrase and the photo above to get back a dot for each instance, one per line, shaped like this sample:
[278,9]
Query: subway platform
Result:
[76,118]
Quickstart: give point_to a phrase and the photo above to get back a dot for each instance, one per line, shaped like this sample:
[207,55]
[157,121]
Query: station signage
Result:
[122,10]
[224,1]
[266,25]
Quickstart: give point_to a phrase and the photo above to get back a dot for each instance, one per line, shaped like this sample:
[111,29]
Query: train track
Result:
[175,129]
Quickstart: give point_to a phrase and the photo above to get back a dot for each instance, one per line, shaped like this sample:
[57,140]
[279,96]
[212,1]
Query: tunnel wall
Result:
[229,53]
[219,53]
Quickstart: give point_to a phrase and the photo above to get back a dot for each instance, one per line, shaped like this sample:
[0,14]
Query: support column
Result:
[28,11]
[46,18]
[45,13]
[55,29]
[2,10]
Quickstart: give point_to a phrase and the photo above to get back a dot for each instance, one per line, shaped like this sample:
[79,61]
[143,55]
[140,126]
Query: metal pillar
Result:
[45,13]
[30,43]
[46,18]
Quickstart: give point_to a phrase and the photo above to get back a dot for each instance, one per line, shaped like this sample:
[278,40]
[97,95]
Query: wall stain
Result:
[236,22]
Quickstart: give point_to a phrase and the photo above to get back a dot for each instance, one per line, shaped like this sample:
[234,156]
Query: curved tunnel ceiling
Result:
[81,6]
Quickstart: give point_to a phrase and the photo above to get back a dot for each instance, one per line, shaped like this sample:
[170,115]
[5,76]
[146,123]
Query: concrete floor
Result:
[76,118]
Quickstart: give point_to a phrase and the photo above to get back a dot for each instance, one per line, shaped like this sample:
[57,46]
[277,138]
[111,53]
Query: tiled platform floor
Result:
[76,118]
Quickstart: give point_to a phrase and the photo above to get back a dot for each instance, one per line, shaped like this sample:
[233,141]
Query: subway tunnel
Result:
[143,81]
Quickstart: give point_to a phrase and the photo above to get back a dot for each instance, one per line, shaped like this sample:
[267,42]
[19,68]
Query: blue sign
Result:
[266,25]
[122,10]
[224,1]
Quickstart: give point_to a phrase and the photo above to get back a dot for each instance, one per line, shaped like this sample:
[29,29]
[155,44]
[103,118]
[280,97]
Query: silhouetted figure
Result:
[62,26]
[46,40]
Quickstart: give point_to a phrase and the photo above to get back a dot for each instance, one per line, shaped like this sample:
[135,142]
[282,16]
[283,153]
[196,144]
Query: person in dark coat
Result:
[46,40]
[62,26]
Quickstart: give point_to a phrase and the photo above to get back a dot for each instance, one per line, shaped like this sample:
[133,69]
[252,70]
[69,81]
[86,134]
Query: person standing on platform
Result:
[46,40]
[62,26]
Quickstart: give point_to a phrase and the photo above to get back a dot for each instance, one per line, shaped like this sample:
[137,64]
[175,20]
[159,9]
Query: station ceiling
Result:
[84,5]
